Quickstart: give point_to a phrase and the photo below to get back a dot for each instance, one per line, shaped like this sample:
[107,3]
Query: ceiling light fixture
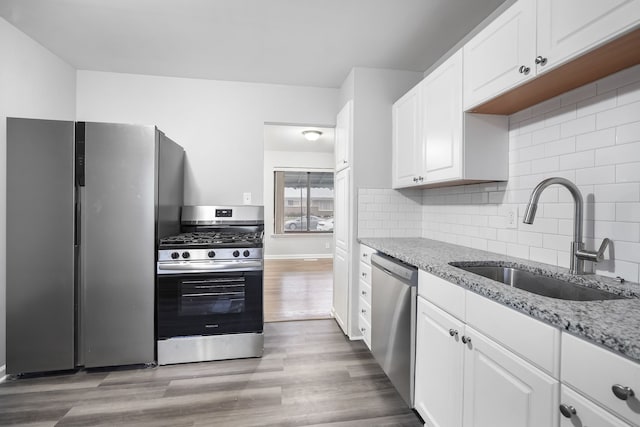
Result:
[311,135]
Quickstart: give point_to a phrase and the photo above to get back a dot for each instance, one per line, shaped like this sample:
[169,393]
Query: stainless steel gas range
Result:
[209,287]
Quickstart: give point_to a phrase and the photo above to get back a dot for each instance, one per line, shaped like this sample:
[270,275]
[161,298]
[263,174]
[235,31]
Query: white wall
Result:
[293,246]
[33,83]
[219,123]
[590,136]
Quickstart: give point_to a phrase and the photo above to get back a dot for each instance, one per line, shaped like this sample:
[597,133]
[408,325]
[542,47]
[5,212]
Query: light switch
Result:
[246,198]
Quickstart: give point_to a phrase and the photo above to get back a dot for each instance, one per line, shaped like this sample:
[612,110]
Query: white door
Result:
[343,136]
[502,390]
[442,121]
[341,288]
[439,362]
[569,27]
[494,57]
[341,211]
[584,413]
[406,141]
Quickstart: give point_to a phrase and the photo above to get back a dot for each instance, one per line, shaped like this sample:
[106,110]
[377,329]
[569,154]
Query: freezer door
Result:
[40,246]
[118,244]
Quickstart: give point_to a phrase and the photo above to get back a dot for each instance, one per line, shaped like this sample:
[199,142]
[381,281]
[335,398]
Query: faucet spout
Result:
[577,265]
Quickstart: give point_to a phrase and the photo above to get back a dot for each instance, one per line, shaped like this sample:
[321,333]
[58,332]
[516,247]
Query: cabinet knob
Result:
[524,69]
[415,179]
[344,162]
[466,339]
[364,274]
[420,178]
[567,411]
[622,392]
[365,255]
[541,60]
[363,293]
[363,330]
[453,332]
[363,311]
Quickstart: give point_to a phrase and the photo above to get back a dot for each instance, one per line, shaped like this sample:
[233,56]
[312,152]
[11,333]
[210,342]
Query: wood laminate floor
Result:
[310,375]
[296,289]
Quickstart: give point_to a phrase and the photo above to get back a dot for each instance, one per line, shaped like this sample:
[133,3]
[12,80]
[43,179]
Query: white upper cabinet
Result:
[344,136]
[533,37]
[570,27]
[408,158]
[436,144]
[502,55]
[442,120]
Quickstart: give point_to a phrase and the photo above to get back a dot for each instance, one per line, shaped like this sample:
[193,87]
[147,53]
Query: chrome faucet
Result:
[578,254]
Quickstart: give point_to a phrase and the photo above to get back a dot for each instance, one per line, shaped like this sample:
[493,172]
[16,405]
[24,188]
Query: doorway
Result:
[298,240]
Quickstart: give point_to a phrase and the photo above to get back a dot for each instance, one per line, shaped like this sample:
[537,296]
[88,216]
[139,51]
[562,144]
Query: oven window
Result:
[225,295]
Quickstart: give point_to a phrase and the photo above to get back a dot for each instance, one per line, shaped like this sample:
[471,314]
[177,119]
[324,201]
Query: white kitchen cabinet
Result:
[408,156]
[455,147]
[503,390]
[502,55]
[579,411]
[595,371]
[344,136]
[364,288]
[533,37]
[568,28]
[341,271]
[439,361]
[342,248]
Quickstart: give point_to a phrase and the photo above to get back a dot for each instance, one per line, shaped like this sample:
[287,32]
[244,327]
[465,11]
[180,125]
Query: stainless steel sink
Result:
[537,284]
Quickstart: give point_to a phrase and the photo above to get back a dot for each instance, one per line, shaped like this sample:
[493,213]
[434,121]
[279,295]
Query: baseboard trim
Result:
[300,256]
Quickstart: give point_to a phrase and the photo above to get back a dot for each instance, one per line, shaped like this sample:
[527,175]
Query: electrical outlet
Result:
[511,219]
[327,245]
[246,198]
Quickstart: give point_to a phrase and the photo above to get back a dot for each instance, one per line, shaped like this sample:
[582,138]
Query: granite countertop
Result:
[613,324]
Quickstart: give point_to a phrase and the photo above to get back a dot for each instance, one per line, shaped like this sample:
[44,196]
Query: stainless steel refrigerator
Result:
[86,205]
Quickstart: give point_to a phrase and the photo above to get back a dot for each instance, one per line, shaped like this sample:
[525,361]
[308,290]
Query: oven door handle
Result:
[211,266]
[214,294]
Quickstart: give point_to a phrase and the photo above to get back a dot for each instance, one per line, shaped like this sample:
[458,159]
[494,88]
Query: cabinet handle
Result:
[541,60]
[466,340]
[453,332]
[567,411]
[622,392]
[524,69]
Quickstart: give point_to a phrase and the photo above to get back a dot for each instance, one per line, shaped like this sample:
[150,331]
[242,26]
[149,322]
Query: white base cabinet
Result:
[364,294]
[584,413]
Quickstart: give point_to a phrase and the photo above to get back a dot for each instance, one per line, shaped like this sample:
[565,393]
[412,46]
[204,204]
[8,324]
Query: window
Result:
[303,202]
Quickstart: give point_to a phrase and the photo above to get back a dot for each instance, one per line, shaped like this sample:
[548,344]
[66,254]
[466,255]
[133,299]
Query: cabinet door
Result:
[570,27]
[587,413]
[492,59]
[342,221]
[344,130]
[442,121]
[438,384]
[341,288]
[502,390]
[408,157]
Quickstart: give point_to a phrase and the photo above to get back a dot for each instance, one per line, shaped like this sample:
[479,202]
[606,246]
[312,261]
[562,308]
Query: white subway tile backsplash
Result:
[627,251]
[618,154]
[597,175]
[578,126]
[598,139]
[628,212]
[582,159]
[628,133]
[563,146]
[530,153]
[545,135]
[560,115]
[520,251]
[629,94]
[547,164]
[579,94]
[603,102]
[618,116]
[624,192]
[618,80]
[548,256]
[497,247]
[628,172]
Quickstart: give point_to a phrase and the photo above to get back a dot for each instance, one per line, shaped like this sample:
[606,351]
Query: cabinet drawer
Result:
[529,338]
[594,371]
[365,291]
[365,310]
[444,294]
[587,413]
[365,330]
[365,254]
[365,273]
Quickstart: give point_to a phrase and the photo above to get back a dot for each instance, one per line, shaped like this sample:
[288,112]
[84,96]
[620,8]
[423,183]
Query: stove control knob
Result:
[246,253]
[211,254]
[175,255]
[186,255]
[236,254]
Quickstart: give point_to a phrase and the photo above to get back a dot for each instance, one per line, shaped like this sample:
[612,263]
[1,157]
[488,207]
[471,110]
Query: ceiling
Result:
[293,42]
[289,138]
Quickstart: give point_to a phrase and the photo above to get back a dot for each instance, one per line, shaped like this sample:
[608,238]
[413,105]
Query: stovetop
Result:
[213,239]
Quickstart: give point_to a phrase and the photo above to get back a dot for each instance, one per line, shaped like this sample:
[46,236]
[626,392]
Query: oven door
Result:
[209,304]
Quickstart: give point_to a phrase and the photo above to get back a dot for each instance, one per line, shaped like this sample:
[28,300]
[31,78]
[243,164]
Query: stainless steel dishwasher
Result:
[393,322]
